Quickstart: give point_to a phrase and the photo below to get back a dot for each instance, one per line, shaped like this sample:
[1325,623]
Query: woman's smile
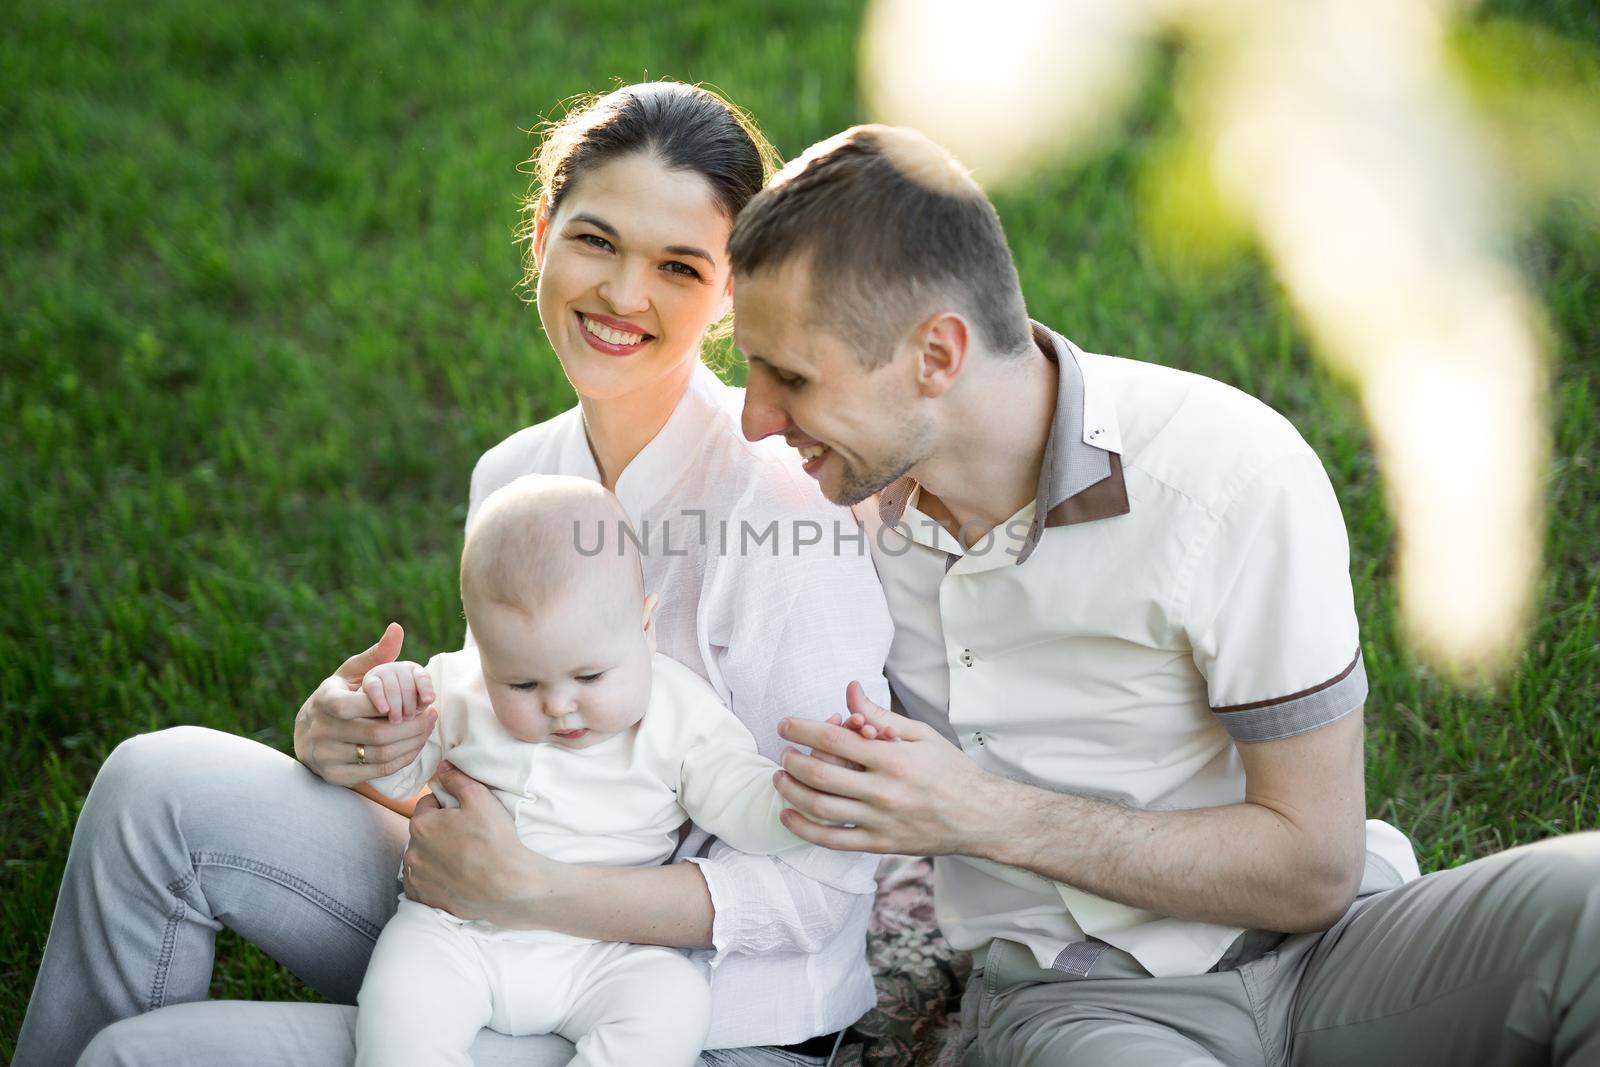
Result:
[613,337]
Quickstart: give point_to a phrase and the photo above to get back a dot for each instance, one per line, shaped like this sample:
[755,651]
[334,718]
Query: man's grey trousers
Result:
[1495,962]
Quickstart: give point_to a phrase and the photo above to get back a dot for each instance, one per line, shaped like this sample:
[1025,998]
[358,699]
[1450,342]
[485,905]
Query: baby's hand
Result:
[869,731]
[861,725]
[398,690]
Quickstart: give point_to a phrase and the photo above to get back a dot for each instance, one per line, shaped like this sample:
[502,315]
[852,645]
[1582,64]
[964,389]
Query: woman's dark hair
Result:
[687,127]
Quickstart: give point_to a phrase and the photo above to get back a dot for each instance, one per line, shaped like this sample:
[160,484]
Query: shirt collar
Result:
[1080,479]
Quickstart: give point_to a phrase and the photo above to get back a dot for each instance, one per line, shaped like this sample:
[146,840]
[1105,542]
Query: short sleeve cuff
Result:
[1298,713]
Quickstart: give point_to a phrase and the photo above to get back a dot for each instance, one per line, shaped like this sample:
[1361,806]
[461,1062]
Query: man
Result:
[1127,647]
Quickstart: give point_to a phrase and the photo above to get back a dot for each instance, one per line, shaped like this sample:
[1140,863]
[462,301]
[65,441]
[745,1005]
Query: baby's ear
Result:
[650,603]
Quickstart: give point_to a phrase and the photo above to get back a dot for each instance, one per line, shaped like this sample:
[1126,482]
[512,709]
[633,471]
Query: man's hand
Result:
[919,797]
[339,717]
[469,861]
[398,690]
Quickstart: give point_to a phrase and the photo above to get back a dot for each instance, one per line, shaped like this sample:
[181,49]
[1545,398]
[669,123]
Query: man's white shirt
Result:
[1180,586]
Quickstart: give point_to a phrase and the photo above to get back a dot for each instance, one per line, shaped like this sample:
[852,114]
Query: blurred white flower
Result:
[1337,133]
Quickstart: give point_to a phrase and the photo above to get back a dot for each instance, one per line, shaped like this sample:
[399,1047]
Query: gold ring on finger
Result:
[361,754]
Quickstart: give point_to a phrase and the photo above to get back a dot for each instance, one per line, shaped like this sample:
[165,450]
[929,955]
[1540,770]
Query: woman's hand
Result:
[338,717]
[469,861]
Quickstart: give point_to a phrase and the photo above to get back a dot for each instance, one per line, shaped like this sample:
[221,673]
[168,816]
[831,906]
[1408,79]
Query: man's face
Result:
[857,429]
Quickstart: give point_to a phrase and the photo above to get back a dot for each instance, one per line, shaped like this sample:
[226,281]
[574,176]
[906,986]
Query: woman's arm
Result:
[469,861]
[668,905]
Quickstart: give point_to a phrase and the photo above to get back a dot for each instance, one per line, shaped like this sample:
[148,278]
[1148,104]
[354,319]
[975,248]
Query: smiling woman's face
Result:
[633,266]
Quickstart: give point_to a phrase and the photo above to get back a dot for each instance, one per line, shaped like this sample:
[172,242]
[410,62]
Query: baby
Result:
[600,749]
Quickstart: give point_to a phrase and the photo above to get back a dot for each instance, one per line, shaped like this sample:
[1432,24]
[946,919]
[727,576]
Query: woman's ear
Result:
[726,303]
[541,230]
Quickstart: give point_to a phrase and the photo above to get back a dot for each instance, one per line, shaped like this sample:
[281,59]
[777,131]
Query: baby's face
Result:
[570,674]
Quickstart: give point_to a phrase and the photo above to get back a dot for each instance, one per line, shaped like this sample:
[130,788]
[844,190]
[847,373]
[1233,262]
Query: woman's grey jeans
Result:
[186,831]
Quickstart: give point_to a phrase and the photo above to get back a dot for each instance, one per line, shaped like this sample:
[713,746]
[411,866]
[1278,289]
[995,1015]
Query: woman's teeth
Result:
[811,452]
[610,336]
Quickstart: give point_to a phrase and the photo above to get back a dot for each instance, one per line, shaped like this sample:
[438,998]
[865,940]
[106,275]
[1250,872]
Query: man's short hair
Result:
[890,224]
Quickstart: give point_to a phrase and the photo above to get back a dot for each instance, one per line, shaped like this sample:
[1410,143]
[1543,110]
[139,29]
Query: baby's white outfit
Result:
[435,980]
[778,629]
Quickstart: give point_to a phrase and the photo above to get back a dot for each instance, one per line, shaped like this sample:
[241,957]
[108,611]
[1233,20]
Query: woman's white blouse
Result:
[767,591]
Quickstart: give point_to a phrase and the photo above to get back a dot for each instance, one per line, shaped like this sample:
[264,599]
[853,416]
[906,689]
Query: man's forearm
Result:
[668,905]
[1242,864]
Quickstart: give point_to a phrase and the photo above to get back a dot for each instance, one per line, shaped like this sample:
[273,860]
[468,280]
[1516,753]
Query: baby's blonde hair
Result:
[534,540]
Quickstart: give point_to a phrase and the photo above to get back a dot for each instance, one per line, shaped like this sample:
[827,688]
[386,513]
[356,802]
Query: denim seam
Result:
[169,940]
[288,881]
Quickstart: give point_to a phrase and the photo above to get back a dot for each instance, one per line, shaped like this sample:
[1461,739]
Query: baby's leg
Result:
[638,1004]
[425,996]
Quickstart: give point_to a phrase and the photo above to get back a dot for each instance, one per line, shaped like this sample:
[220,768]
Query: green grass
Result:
[259,318]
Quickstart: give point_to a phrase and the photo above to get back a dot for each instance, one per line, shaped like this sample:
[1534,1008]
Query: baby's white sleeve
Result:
[408,781]
[726,785]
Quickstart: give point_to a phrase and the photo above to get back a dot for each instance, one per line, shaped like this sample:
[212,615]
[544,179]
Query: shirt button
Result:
[966,657]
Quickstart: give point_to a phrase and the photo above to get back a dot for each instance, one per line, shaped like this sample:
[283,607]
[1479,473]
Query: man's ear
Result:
[940,344]
[650,603]
[541,230]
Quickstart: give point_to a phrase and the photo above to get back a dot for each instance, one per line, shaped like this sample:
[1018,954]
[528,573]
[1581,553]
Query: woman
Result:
[188,830]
